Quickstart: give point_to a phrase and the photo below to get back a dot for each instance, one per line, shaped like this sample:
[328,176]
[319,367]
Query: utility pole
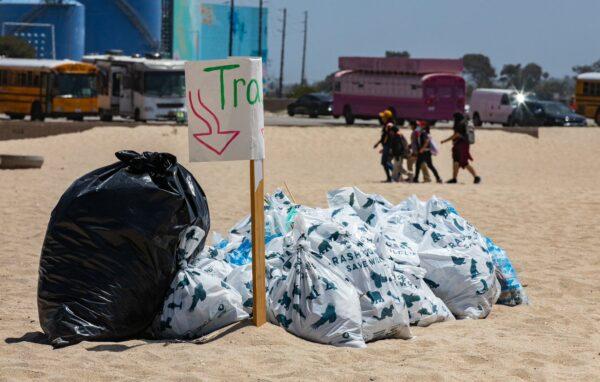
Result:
[260,17]
[231,9]
[279,91]
[303,75]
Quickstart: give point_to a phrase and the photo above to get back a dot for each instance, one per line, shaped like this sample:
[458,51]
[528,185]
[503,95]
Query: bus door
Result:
[116,79]
[126,102]
[46,84]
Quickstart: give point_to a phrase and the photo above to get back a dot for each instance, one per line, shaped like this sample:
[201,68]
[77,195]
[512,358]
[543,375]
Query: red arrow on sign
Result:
[218,142]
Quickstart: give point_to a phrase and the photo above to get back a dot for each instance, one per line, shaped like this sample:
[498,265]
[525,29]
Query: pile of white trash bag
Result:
[358,271]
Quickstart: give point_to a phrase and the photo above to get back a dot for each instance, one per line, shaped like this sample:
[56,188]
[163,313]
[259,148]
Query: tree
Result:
[531,75]
[15,47]
[595,67]
[299,90]
[394,53]
[510,75]
[526,77]
[325,85]
[479,70]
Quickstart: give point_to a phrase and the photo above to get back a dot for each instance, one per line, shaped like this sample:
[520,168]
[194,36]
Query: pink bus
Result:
[426,89]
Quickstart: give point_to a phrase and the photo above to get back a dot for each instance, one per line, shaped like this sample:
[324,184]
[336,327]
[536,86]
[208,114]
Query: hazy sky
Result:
[557,34]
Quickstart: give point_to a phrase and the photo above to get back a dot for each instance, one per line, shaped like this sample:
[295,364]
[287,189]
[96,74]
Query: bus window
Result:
[444,92]
[76,85]
[29,78]
[36,80]
[337,86]
[505,100]
[22,79]
[164,84]
[3,78]
[586,88]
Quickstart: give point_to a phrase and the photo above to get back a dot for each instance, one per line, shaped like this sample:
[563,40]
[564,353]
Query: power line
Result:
[280,89]
[303,76]
[231,9]
[260,21]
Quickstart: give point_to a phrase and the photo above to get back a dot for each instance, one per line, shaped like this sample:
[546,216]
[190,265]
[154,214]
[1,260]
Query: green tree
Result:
[15,47]
[479,70]
[510,75]
[595,67]
[300,90]
[395,53]
[326,84]
[531,76]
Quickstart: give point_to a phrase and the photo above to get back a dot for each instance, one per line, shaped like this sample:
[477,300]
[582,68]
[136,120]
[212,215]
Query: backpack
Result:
[471,133]
[433,146]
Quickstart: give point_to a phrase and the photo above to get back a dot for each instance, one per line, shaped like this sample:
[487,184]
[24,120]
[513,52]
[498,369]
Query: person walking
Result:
[384,141]
[400,151]
[424,153]
[461,154]
[412,155]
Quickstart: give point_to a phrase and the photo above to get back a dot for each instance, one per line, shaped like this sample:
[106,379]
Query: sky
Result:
[557,34]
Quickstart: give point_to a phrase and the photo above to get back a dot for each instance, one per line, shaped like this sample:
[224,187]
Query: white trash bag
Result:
[313,302]
[340,246]
[199,300]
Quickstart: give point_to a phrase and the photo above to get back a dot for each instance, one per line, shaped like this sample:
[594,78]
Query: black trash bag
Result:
[109,253]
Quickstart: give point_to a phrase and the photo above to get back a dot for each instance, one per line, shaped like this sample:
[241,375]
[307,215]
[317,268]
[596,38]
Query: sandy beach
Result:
[539,200]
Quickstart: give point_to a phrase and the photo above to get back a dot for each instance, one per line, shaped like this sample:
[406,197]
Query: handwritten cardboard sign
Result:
[224,101]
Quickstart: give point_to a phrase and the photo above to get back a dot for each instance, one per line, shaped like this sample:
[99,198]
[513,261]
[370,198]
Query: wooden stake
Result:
[258,242]
[289,193]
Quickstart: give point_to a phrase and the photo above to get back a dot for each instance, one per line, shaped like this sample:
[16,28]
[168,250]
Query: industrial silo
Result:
[132,26]
[55,28]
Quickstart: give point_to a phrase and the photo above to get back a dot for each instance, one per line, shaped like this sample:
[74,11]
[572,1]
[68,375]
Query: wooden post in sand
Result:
[258,242]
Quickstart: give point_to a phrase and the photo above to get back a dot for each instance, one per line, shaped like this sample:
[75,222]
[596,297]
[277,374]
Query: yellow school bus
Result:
[587,96]
[47,88]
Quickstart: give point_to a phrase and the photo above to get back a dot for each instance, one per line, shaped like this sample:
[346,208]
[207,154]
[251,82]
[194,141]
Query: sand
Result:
[540,200]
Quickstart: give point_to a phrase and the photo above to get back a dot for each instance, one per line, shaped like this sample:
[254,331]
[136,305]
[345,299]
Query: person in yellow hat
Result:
[387,120]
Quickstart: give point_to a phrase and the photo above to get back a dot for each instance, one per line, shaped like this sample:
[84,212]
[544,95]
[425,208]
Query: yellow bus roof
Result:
[589,76]
[26,63]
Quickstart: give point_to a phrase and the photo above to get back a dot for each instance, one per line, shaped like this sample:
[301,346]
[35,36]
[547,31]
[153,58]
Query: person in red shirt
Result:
[461,154]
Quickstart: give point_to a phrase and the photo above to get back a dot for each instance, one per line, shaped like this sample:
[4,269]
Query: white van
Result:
[492,105]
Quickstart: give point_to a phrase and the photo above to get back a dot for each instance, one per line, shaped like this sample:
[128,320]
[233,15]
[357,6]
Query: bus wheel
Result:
[597,119]
[477,120]
[36,112]
[16,116]
[136,116]
[348,116]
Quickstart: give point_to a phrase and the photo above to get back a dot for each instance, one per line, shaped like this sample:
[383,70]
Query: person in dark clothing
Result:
[400,151]
[424,154]
[461,154]
[414,149]
[385,141]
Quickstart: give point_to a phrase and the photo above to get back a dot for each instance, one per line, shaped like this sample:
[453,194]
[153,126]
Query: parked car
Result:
[313,104]
[545,113]
[492,105]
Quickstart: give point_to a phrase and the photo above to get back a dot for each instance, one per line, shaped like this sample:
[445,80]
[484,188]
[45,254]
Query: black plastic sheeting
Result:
[109,253]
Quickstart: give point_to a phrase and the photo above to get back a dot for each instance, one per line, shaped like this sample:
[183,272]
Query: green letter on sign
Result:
[222,69]
[235,90]
[256,98]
